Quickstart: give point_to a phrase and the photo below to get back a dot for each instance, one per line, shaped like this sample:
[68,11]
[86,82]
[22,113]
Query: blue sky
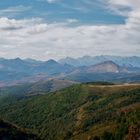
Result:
[54,29]
[85,11]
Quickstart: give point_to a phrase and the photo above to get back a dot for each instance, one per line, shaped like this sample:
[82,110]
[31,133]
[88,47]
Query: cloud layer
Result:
[39,40]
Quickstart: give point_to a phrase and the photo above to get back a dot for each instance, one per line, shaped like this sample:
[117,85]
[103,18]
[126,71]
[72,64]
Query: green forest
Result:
[90,111]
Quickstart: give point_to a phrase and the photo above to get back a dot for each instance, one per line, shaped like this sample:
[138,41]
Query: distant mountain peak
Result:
[51,61]
[109,62]
[92,60]
[18,59]
[105,67]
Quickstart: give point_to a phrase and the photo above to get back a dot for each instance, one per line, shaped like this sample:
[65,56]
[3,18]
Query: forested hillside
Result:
[80,112]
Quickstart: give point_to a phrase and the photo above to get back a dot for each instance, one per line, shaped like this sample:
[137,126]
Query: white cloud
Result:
[6,23]
[50,1]
[72,20]
[128,3]
[12,11]
[39,40]
[123,7]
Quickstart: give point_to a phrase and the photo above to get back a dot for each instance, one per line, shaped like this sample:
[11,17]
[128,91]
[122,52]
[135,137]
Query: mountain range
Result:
[89,60]
[18,71]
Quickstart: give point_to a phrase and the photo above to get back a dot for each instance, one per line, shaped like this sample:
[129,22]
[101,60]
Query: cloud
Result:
[123,7]
[7,24]
[12,11]
[50,1]
[38,39]
[57,40]
[76,6]
[72,20]
[125,3]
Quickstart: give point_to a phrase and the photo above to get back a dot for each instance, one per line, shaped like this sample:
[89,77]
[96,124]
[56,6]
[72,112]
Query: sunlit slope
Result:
[80,112]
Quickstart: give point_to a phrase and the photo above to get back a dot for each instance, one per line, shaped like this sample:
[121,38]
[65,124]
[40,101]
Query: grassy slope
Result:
[79,112]
[18,92]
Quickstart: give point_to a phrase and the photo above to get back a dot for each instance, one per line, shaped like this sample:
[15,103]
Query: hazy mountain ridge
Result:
[105,71]
[25,66]
[103,67]
[18,71]
[89,60]
[33,89]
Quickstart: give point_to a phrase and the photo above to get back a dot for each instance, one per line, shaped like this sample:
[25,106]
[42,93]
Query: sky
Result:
[55,29]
